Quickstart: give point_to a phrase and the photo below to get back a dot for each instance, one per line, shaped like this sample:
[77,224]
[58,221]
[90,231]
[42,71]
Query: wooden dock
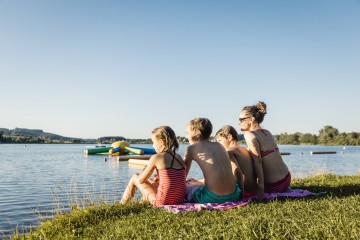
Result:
[138,162]
[127,157]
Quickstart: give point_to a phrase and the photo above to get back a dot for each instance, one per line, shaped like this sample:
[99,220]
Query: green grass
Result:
[334,215]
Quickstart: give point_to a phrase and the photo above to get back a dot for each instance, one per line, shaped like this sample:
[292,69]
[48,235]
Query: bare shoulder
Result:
[190,149]
[213,147]
[154,159]
[242,149]
[234,148]
[232,154]
[216,145]
[268,133]
[178,156]
[231,151]
[249,135]
[236,153]
[189,152]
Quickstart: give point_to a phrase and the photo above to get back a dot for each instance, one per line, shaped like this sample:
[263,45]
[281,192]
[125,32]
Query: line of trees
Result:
[328,135]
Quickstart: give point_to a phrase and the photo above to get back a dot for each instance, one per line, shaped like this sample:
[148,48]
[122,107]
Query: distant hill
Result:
[24,135]
[32,133]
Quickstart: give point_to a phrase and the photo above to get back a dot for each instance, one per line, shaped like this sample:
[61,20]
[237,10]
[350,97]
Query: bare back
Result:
[246,164]
[165,159]
[215,165]
[274,167]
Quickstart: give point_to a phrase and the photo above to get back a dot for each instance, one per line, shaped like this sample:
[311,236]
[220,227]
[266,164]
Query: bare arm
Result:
[188,160]
[148,170]
[237,171]
[254,149]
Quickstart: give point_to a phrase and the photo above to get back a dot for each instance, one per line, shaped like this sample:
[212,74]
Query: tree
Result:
[327,135]
[308,138]
[75,140]
[353,138]
[342,139]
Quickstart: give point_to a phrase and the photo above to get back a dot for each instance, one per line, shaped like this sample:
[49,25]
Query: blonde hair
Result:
[258,111]
[203,125]
[166,134]
[227,130]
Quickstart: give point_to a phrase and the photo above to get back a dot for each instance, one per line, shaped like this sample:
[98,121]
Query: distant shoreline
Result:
[328,136]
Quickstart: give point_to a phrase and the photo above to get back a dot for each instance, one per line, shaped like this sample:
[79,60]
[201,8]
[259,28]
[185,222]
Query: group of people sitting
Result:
[230,171]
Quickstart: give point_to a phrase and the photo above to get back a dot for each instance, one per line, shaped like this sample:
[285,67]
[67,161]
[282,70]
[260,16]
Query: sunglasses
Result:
[242,119]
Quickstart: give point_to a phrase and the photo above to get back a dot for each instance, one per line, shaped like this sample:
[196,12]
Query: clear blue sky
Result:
[120,68]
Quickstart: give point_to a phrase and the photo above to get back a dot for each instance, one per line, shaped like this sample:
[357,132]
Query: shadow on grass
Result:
[338,191]
[322,192]
[331,184]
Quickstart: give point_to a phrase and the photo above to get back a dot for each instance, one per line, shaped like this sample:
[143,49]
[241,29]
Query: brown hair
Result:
[203,125]
[166,134]
[227,130]
[257,111]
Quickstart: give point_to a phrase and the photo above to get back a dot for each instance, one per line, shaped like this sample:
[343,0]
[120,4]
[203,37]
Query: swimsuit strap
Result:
[261,130]
[172,161]
[265,153]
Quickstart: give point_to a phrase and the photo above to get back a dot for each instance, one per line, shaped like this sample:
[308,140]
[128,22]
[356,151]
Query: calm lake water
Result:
[37,180]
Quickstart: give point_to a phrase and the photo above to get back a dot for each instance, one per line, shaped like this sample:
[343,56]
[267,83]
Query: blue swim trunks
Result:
[204,195]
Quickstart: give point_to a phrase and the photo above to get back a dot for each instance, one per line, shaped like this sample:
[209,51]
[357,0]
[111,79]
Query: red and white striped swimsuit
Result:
[172,185]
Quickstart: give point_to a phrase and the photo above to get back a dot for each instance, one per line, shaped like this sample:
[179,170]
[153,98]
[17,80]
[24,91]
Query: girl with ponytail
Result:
[170,186]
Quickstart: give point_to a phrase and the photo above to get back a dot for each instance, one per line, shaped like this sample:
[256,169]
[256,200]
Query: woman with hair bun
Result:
[271,171]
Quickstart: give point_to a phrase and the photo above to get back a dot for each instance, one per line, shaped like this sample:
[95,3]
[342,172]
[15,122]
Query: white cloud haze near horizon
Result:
[119,68]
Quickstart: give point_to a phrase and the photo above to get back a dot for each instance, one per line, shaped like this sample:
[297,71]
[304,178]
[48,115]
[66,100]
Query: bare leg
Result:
[144,197]
[147,190]
[129,192]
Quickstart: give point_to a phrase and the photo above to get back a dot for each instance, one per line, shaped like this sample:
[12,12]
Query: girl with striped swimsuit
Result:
[170,185]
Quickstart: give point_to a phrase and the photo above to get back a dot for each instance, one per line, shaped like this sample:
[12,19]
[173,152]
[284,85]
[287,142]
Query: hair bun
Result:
[261,106]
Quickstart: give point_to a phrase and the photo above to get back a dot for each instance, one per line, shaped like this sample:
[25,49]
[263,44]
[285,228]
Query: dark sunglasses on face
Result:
[242,119]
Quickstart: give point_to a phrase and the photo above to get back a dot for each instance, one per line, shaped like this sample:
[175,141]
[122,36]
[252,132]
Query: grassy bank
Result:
[334,215]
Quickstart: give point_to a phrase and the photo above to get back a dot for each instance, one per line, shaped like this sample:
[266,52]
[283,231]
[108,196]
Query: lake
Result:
[39,179]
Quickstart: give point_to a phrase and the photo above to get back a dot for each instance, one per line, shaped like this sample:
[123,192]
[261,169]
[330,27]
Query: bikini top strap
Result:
[261,130]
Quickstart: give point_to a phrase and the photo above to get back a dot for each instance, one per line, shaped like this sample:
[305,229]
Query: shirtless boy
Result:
[227,136]
[219,182]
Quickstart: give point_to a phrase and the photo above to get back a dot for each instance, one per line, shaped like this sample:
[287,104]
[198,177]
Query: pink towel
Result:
[187,207]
